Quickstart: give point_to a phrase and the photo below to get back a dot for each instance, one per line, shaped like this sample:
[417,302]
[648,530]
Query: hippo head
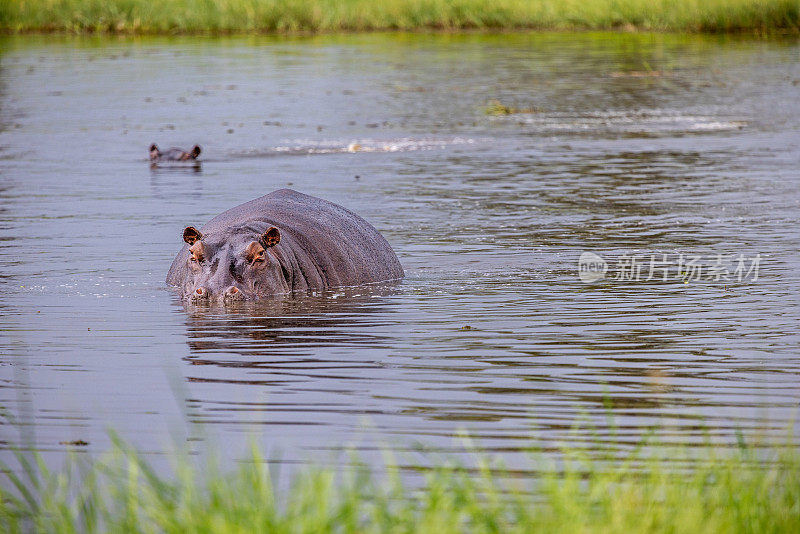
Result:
[235,265]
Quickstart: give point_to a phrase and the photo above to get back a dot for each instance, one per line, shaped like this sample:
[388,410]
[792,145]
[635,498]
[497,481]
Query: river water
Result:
[666,156]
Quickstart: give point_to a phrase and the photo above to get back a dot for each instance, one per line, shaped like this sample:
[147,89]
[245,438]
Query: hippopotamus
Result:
[280,243]
[173,154]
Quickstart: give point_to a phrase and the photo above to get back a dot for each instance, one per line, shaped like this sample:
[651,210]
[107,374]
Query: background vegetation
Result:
[750,490]
[270,16]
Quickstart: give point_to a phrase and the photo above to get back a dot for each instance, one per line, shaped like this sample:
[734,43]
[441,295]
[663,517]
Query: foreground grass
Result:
[269,16]
[746,491]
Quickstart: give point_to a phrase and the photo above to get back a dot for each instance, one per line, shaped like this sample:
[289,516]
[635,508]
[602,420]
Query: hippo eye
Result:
[254,253]
[258,257]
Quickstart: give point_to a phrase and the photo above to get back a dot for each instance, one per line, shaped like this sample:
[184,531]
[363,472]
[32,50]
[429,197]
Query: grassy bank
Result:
[738,492]
[271,16]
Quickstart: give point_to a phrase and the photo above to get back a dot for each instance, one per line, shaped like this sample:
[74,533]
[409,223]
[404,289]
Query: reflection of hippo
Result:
[173,154]
[281,242]
[249,333]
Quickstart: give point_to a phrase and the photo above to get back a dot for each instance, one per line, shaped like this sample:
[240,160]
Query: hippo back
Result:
[322,244]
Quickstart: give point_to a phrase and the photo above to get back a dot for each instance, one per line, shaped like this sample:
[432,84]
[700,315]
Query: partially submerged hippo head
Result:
[235,265]
[173,154]
[279,244]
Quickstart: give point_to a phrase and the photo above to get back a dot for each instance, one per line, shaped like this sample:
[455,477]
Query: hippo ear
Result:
[195,151]
[270,238]
[191,235]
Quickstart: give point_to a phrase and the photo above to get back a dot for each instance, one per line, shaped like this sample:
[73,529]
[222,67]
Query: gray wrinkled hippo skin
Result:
[282,242]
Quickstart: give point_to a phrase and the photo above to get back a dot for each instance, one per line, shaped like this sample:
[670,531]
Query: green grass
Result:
[283,16]
[747,490]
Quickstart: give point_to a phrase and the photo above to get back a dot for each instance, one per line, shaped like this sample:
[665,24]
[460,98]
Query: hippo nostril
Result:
[200,293]
[233,293]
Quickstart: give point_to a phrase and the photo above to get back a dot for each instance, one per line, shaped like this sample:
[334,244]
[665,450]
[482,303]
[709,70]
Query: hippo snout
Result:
[203,294]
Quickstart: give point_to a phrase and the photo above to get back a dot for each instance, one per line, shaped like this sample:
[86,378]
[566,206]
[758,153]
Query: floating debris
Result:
[75,443]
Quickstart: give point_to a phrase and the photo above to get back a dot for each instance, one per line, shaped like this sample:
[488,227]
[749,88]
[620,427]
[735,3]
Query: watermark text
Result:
[676,267]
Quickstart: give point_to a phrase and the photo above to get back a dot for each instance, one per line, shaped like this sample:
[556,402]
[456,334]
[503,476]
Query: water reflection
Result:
[188,168]
[293,326]
[164,179]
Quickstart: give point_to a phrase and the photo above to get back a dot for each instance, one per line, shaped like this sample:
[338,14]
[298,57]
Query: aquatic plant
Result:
[751,489]
[495,107]
[282,16]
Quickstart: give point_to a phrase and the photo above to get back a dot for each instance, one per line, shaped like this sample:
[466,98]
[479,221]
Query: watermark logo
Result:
[591,267]
[669,268]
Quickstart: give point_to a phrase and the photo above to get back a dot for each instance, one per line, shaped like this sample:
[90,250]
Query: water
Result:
[639,145]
